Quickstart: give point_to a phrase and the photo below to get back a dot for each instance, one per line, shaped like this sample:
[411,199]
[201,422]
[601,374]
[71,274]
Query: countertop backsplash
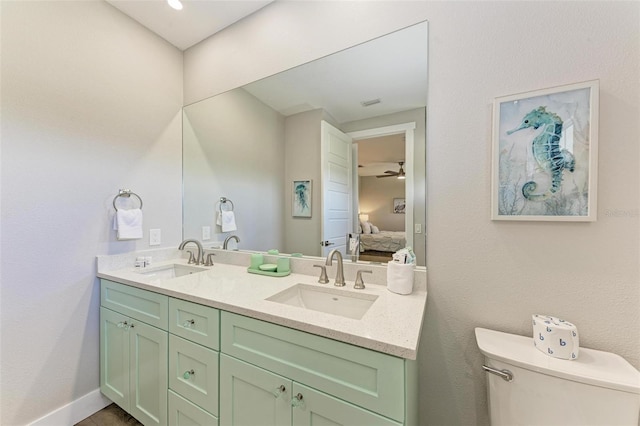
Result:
[299,265]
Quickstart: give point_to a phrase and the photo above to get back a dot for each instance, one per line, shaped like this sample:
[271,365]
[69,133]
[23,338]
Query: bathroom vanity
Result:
[218,346]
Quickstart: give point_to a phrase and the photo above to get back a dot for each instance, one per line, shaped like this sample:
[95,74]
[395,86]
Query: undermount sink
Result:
[174,270]
[328,300]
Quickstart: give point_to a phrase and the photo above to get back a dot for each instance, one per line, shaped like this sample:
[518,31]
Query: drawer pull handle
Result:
[187,374]
[279,391]
[189,323]
[297,400]
[125,325]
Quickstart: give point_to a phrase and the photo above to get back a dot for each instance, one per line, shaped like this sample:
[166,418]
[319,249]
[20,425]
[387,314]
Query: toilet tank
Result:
[598,388]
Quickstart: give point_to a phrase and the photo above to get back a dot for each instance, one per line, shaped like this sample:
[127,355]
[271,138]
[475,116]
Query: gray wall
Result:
[376,199]
[302,151]
[234,148]
[484,273]
[91,103]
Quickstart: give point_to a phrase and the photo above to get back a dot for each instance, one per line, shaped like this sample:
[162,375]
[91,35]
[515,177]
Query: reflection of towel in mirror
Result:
[128,223]
[227,221]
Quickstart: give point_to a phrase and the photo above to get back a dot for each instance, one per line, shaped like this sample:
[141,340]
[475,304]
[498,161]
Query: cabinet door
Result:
[149,381]
[318,409]
[251,396]
[114,357]
[367,378]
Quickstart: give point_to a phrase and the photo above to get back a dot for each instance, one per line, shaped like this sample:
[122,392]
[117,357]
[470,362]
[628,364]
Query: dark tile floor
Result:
[111,415]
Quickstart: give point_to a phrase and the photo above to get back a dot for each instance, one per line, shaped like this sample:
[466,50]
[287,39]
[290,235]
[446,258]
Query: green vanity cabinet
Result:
[194,341]
[250,395]
[335,382]
[133,354]
[168,361]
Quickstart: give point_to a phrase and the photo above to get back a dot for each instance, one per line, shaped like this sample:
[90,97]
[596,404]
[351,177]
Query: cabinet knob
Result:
[125,325]
[279,391]
[187,374]
[297,400]
[189,323]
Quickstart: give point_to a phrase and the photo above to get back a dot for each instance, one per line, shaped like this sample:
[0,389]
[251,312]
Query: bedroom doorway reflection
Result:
[383,190]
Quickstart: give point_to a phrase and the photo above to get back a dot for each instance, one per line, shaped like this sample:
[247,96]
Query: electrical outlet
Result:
[418,228]
[154,237]
[206,233]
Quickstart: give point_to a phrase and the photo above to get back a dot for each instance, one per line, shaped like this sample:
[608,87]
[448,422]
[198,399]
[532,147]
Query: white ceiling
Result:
[392,68]
[197,20]
[379,154]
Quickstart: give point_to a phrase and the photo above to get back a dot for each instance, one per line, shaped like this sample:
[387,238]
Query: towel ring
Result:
[225,200]
[126,193]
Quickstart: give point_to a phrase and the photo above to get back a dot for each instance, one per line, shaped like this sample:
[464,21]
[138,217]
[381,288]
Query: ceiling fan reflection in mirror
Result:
[390,173]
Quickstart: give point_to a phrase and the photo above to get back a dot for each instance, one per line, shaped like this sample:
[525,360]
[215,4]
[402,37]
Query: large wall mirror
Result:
[303,157]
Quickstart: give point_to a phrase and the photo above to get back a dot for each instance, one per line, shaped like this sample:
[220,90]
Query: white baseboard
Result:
[74,411]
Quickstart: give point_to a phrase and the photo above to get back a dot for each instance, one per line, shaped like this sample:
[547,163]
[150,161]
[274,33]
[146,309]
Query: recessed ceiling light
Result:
[176,4]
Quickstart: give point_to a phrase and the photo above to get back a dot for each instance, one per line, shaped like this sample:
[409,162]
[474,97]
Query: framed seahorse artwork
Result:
[545,154]
[301,203]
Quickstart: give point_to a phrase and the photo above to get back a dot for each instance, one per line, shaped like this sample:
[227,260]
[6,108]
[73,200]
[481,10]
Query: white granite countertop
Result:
[391,325]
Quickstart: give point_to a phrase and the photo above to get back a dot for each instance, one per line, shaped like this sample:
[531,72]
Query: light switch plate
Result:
[418,228]
[206,232]
[154,237]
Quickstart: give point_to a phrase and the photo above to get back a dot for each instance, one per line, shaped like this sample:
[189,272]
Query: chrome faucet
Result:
[199,257]
[226,241]
[340,273]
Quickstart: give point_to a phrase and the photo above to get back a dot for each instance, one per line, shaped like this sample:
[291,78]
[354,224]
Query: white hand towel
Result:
[228,221]
[219,218]
[128,223]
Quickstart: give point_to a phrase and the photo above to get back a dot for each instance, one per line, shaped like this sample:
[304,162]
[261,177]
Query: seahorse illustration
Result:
[546,151]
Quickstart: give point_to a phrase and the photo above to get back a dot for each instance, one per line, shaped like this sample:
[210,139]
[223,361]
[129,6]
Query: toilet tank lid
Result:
[592,367]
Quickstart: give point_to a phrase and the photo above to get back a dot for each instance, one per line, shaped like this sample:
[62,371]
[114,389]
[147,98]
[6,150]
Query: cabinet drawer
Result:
[184,413]
[193,372]
[194,322]
[146,306]
[367,378]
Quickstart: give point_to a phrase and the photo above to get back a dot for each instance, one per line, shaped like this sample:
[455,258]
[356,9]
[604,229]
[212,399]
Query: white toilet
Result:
[527,387]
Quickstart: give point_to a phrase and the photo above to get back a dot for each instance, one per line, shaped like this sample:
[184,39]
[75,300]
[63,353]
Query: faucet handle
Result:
[192,259]
[323,274]
[209,261]
[359,285]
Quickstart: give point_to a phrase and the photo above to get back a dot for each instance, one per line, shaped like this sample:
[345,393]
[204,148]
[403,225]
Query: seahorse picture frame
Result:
[545,154]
